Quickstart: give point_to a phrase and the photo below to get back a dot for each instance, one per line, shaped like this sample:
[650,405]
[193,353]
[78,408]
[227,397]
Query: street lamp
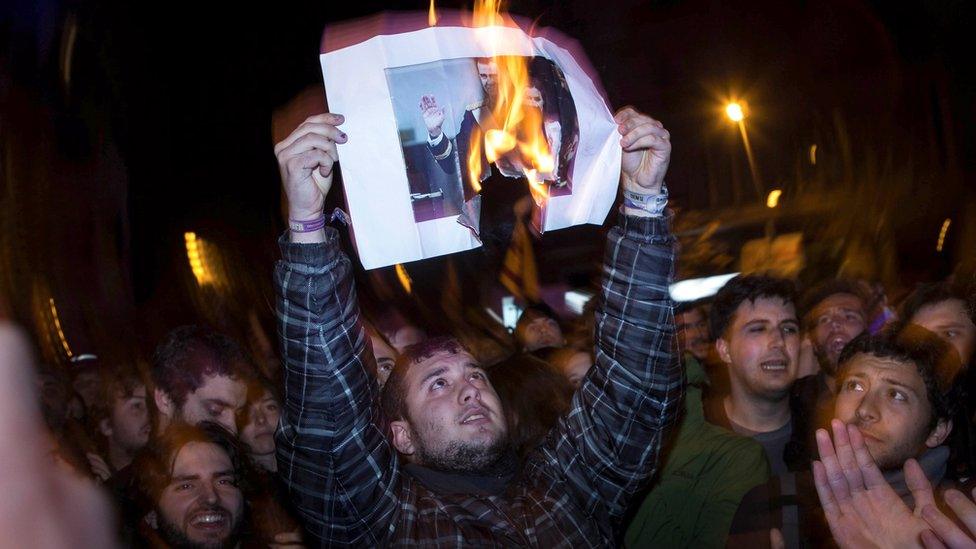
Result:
[736,113]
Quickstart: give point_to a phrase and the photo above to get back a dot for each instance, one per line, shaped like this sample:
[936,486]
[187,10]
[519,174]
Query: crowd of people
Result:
[767,414]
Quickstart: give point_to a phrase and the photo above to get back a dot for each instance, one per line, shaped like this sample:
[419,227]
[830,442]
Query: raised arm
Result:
[332,455]
[609,443]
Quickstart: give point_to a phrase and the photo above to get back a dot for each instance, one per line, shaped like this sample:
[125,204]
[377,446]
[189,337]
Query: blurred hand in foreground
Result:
[42,505]
[862,509]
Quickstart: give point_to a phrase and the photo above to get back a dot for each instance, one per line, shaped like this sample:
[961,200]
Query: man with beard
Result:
[190,488]
[197,375]
[896,388]
[459,483]
[758,338]
[200,375]
[834,314]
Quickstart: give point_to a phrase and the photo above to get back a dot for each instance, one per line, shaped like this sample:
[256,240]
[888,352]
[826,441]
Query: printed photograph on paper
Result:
[441,106]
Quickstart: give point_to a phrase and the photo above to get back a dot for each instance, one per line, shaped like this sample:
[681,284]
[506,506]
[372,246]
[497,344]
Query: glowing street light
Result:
[773,199]
[734,112]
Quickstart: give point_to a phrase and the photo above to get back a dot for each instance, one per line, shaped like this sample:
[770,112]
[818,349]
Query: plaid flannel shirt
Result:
[343,474]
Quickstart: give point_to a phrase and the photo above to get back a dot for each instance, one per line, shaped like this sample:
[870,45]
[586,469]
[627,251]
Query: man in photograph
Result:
[451,154]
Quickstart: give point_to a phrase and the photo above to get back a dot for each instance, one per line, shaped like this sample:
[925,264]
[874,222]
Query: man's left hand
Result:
[647,151]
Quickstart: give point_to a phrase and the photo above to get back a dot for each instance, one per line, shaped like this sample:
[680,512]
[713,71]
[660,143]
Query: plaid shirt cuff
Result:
[646,229]
[311,258]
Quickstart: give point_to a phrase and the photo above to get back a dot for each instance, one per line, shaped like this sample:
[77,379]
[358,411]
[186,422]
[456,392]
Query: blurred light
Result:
[813,154]
[734,112]
[404,278]
[432,15]
[57,326]
[699,288]
[197,258]
[942,234]
[577,300]
[773,199]
[69,37]
[510,312]
[494,316]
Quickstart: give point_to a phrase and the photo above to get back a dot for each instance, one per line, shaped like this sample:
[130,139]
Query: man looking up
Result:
[460,486]
[199,375]
[834,314]
[758,338]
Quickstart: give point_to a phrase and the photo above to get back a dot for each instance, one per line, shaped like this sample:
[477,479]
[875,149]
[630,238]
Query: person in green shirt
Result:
[705,473]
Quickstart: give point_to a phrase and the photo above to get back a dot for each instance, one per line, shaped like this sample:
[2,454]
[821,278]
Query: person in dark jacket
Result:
[834,313]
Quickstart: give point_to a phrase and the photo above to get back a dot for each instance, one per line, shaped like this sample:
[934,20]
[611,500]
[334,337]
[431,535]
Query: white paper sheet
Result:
[374,84]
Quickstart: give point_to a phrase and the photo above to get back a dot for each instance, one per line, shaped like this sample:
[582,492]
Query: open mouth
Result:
[475,417]
[836,345]
[210,521]
[774,366]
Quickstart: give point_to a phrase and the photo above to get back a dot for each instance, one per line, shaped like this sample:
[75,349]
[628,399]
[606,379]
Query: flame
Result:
[513,134]
[431,15]
[474,159]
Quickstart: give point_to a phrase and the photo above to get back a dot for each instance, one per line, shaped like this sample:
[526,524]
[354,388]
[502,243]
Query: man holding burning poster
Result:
[428,461]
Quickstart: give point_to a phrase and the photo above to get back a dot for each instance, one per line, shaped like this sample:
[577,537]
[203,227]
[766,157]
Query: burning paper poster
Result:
[422,110]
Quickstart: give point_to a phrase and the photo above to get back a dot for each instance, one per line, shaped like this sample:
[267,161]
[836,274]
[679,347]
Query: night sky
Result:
[183,93]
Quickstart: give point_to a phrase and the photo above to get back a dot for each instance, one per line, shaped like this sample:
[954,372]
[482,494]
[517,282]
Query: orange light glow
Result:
[514,134]
[942,235]
[734,112]
[196,256]
[404,278]
[57,327]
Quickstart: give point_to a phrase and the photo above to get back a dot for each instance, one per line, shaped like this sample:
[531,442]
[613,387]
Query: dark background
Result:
[124,126]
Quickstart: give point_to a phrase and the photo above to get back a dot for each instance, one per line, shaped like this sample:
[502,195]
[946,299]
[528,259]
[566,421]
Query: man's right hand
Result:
[433,115]
[306,159]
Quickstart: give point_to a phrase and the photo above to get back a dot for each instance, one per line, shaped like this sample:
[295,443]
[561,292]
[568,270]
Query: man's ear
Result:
[940,433]
[105,427]
[151,520]
[403,438]
[163,403]
[722,347]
